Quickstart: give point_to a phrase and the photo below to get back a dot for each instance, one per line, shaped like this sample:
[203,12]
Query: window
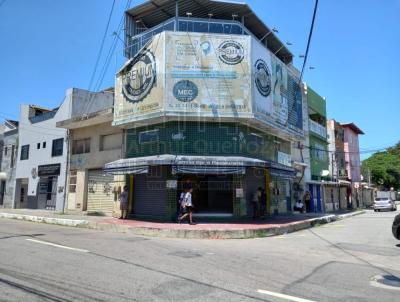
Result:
[148,136]
[44,145]
[12,156]
[72,181]
[5,151]
[81,146]
[24,152]
[110,142]
[57,148]
[320,152]
[38,146]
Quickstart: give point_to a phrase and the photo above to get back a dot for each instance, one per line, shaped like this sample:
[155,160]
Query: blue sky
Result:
[47,46]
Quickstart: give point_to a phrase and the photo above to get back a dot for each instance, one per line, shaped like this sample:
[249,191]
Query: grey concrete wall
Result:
[10,139]
[85,102]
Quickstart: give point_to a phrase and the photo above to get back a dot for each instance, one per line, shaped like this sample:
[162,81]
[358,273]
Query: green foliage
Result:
[384,167]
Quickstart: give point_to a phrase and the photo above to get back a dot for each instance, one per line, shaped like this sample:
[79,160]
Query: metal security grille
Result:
[150,193]
[101,192]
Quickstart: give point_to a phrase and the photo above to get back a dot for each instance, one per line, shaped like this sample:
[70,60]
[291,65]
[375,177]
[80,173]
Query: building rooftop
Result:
[353,127]
[154,12]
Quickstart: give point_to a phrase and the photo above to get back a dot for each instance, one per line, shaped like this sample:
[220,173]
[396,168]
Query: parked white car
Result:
[384,203]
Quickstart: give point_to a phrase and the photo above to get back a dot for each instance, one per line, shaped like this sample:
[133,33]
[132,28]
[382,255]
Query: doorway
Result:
[212,194]
[2,191]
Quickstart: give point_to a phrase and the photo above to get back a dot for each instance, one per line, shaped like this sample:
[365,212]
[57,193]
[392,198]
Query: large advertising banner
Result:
[208,75]
[140,84]
[277,97]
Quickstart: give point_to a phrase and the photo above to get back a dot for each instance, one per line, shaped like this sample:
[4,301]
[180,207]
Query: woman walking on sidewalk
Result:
[187,206]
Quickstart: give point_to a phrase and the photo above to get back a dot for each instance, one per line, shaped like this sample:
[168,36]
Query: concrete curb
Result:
[186,233]
[49,220]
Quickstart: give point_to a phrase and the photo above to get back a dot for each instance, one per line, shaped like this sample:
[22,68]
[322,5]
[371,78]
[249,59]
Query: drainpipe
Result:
[66,172]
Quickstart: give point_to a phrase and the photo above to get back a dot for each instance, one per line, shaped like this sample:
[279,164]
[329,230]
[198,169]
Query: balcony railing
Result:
[317,129]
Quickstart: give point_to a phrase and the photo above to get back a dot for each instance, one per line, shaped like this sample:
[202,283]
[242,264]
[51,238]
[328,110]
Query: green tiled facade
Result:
[199,138]
[319,154]
[319,157]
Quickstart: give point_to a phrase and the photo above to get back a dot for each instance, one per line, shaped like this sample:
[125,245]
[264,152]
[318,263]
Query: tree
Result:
[384,167]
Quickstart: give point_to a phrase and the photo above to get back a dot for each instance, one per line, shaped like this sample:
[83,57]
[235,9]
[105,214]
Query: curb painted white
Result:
[49,220]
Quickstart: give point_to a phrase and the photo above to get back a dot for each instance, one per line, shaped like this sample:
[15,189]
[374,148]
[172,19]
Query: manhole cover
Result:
[387,281]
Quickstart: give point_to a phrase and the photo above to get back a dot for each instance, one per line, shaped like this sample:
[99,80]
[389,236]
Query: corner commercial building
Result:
[207,99]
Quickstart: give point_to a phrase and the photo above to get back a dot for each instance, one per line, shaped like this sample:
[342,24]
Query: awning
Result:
[127,170]
[196,165]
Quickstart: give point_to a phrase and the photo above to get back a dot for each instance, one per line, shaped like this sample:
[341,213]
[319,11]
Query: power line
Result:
[309,40]
[108,58]
[101,45]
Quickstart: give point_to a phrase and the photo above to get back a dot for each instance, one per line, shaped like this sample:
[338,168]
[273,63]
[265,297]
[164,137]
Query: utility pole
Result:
[369,177]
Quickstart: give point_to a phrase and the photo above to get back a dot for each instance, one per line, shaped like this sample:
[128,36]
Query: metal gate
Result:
[150,193]
[101,192]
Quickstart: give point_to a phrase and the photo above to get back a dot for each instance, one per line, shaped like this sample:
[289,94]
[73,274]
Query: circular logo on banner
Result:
[185,91]
[139,77]
[231,52]
[262,78]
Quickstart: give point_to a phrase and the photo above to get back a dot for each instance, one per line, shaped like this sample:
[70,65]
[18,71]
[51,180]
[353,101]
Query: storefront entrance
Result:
[47,193]
[212,194]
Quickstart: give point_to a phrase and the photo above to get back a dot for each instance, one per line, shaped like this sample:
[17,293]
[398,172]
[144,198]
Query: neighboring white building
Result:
[42,157]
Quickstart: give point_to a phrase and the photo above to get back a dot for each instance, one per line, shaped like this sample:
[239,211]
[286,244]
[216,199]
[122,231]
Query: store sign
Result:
[185,91]
[209,162]
[139,85]
[262,78]
[49,170]
[239,193]
[207,75]
[277,96]
[231,52]
[172,184]
[149,136]
[284,159]
[139,77]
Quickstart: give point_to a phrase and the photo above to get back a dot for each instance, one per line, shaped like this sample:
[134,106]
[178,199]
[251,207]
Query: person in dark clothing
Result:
[307,201]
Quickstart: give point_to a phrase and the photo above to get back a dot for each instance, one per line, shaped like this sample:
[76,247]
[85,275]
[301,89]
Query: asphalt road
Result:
[335,262]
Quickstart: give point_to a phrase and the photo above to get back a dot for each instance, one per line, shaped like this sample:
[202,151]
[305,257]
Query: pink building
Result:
[352,151]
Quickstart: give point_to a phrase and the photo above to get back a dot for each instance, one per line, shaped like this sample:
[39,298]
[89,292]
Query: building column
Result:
[239,199]
[171,195]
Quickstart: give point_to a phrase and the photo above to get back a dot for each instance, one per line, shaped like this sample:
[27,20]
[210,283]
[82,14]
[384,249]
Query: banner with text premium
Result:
[139,84]
[277,96]
[208,74]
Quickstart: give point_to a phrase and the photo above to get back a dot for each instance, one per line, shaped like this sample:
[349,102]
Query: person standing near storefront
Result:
[307,201]
[124,202]
[188,206]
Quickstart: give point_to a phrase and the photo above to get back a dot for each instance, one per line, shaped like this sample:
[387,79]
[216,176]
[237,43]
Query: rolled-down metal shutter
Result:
[100,192]
[149,195]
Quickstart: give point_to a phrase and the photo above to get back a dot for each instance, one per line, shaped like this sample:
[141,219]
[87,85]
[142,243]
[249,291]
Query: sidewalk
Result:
[271,226]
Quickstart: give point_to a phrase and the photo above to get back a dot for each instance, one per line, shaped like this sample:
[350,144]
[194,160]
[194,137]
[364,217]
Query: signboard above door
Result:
[49,170]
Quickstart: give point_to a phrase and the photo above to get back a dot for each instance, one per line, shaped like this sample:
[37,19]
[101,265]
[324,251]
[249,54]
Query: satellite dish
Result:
[324,173]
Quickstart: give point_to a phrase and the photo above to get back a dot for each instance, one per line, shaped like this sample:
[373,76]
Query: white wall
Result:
[45,131]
